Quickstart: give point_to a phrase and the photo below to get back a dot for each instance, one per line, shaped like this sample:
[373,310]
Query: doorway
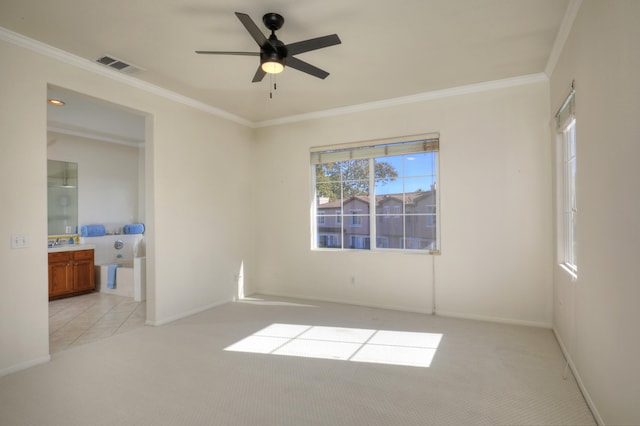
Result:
[107,142]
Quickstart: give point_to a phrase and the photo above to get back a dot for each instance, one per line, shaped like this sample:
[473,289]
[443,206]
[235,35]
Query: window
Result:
[387,191]
[382,242]
[328,241]
[566,125]
[356,217]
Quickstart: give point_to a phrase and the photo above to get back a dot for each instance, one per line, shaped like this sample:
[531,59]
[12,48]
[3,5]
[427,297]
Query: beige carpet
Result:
[180,374]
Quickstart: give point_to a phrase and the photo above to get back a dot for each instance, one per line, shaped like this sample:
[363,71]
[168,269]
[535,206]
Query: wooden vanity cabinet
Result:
[71,273]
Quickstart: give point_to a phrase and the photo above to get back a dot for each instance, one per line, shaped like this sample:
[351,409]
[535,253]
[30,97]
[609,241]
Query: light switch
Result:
[19,241]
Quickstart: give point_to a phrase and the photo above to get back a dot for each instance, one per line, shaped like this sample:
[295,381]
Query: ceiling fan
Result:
[274,54]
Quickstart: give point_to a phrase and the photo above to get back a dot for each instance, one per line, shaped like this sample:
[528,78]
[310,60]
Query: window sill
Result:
[378,250]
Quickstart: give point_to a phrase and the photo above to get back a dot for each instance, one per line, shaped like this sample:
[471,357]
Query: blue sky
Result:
[419,171]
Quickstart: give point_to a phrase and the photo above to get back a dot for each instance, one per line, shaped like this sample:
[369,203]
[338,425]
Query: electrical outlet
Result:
[19,241]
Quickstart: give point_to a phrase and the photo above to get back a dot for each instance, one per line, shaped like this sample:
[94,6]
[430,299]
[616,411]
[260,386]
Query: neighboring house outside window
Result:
[399,176]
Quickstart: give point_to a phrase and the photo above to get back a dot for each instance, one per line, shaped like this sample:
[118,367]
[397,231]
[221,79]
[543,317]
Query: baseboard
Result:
[576,374]
[25,365]
[342,302]
[499,320]
[187,313]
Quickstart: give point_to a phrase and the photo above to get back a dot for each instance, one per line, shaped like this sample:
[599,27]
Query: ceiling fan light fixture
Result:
[271,62]
[272,67]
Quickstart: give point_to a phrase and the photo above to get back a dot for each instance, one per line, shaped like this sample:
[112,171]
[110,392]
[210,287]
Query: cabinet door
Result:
[83,271]
[60,278]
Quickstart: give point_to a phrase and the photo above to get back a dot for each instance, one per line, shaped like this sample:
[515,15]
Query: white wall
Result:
[495,180]
[24,331]
[597,316]
[198,168]
[107,178]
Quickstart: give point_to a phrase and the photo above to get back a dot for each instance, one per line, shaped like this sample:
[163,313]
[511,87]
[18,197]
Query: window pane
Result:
[328,201]
[355,170]
[329,240]
[389,231]
[406,202]
[572,184]
[573,260]
[569,202]
[355,188]
[419,184]
[328,183]
[356,216]
[422,164]
[325,207]
[419,234]
[387,169]
[356,232]
[572,139]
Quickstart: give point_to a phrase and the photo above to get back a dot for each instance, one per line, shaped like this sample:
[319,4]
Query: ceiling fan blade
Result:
[259,75]
[253,29]
[305,67]
[213,52]
[313,44]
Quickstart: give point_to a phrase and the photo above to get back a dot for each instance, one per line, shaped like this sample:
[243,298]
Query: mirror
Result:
[62,197]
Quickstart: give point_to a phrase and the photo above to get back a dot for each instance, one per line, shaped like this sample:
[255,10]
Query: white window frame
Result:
[567,207]
[389,147]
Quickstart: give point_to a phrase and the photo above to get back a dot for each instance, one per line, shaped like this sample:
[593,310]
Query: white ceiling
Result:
[389,49]
[93,118]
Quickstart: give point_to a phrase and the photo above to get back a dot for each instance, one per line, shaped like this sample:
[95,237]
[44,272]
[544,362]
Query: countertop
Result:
[71,247]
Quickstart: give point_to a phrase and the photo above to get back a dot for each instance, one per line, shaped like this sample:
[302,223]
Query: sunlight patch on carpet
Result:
[407,348]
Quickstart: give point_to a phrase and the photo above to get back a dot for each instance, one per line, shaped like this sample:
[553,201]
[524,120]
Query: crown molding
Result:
[87,65]
[563,34]
[421,97]
[90,66]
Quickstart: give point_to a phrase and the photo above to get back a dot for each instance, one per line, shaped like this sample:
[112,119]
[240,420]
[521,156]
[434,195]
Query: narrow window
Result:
[566,125]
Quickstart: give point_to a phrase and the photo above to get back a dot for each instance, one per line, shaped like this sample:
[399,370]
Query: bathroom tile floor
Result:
[82,319]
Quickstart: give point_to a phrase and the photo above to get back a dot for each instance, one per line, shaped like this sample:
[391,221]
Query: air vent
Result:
[118,64]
